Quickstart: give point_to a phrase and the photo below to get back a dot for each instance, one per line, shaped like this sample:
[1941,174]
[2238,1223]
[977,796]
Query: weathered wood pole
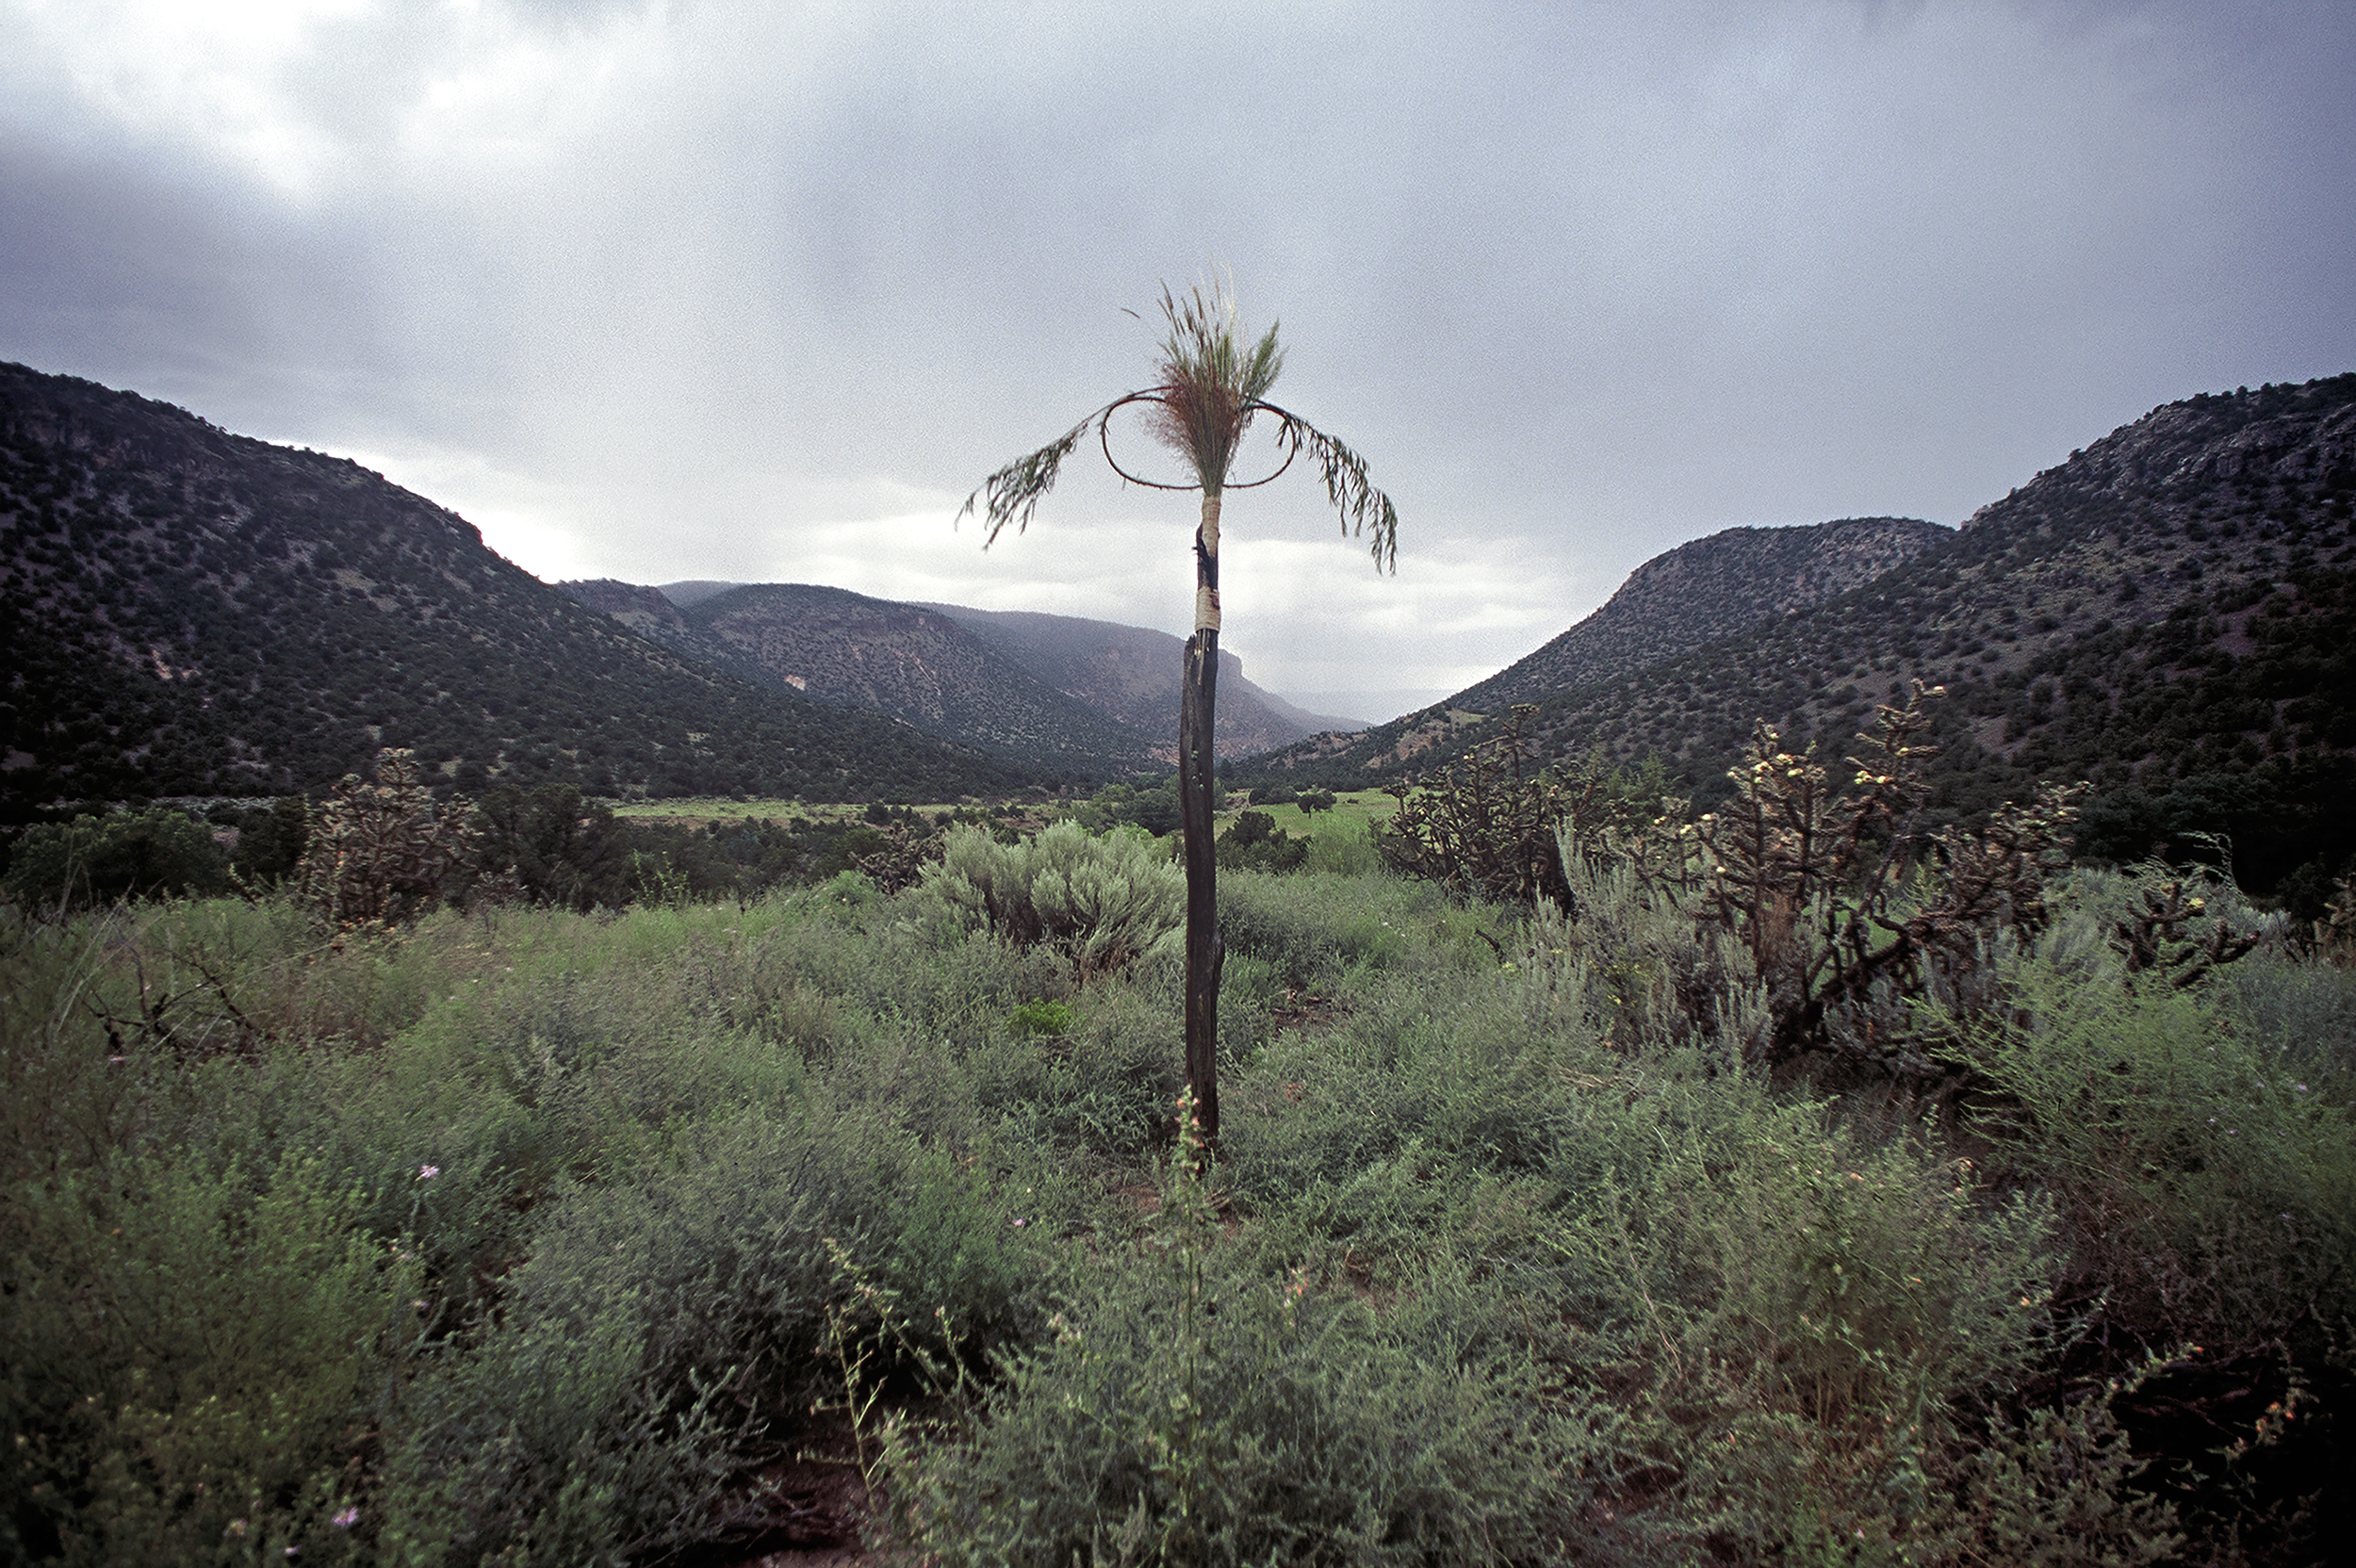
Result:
[1197,705]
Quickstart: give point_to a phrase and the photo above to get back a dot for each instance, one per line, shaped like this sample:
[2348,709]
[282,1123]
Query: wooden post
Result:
[1197,705]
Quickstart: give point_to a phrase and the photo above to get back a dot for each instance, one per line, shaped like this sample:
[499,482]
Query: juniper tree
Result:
[1209,385]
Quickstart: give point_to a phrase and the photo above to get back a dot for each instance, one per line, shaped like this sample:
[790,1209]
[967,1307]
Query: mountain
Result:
[189,612]
[1686,598]
[910,662]
[2169,614]
[1131,674]
[1701,592]
[1077,693]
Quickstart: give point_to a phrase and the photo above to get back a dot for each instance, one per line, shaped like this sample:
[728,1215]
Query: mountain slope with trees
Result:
[1700,593]
[1710,589]
[2168,615]
[915,664]
[190,612]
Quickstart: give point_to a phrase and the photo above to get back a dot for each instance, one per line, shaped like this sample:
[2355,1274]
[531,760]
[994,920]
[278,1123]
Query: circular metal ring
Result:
[1290,437]
[1105,439]
[1286,434]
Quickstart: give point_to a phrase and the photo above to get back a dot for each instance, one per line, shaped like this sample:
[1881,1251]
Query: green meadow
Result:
[522,1236]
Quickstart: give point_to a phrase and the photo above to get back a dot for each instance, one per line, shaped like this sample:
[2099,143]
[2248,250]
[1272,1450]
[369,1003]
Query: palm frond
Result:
[1208,386]
[1364,509]
[1208,383]
[1014,491]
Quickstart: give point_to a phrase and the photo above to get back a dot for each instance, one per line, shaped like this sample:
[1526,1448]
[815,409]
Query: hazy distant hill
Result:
[192,611]
[2169,614]
[1131,674]
[686,593]
[1060,689]
[917,664]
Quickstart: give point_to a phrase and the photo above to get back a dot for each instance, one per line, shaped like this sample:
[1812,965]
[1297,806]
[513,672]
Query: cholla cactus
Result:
[2172,930]
[1487,827]
[380,850]
[1492,828]
[1822,888]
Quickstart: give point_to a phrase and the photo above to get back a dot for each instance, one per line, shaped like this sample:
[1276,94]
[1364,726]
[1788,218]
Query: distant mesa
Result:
[1083,693]
[1131,673]
[910,662]
[1084,690]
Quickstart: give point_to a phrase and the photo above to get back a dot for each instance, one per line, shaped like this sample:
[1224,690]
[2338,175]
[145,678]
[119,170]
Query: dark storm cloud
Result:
[718,290]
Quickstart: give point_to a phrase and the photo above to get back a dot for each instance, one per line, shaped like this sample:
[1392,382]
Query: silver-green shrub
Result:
[1102,903]
[2203,1154]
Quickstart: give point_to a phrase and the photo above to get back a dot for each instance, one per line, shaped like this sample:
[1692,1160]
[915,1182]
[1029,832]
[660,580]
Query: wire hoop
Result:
[1286,434]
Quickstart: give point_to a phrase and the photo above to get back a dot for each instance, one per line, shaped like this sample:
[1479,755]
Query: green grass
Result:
[700,810]
[696,811]
[1334,835]
[529,1237]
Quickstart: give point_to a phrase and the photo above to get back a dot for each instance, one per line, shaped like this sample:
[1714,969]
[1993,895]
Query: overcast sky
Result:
[761,291]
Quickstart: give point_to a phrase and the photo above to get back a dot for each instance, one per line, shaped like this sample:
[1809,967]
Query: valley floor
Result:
[522,1236]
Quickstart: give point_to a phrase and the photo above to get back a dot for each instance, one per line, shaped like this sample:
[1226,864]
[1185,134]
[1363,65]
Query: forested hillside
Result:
[2166,615]
[189,612]
[911,662]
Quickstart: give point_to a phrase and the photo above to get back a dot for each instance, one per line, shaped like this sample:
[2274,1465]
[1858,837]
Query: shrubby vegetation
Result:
[1254,842]
[100,859]
[547,845]
[513,1233]
[1153,807]
[1788,1184]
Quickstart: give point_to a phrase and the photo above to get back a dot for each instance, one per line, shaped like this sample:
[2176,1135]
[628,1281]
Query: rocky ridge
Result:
[192,612]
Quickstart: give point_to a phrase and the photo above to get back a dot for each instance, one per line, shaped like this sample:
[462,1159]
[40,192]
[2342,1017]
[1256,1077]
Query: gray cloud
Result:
[760,292]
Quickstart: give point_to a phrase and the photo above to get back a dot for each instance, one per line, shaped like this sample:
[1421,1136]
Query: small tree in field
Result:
[1209,385]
